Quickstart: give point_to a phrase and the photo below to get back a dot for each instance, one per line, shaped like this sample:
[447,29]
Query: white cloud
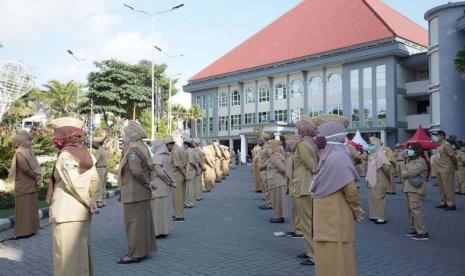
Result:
[128,46]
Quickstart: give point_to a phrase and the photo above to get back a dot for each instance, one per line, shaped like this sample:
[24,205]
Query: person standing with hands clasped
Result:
[73,199]
[336,204]
[414,176]
[275,177]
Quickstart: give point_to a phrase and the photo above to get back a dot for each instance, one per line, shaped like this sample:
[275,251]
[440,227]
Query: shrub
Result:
[113,161]
[7,152]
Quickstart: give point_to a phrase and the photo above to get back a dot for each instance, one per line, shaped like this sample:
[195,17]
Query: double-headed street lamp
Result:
[171,84]
[152,16]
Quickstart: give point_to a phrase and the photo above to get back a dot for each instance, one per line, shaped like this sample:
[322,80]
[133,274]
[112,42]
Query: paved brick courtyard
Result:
[227,235]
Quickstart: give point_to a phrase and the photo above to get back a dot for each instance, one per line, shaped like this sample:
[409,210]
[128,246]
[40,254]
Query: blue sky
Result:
[38,33]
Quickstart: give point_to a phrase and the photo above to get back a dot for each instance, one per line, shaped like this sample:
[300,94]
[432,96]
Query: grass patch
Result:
[4,213]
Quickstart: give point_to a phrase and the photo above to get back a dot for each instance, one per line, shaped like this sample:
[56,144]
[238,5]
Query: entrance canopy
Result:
[421,137]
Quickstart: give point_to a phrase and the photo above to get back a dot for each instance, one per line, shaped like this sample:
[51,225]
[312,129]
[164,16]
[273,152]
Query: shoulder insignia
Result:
[132,156]
[68,165]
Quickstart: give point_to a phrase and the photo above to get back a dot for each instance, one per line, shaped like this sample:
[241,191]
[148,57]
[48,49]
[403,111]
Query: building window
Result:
[210,125]
[263,117]
[210,102]
[315,92]
[368,97]
[249,95]
[334,94]
[297,89]
[198,101]
[235,122]
[204,102]
[434,31]
[235,98]
[280,91]
[355,98]
[205,127]
[264,94]
[198,128]
[296,114]
[223,98]
[381,95]
[280,116]
[223,123]
[434,65]
[249,118]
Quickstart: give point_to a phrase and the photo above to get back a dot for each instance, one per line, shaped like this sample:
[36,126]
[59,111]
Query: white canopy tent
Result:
[359,140]
[39,118]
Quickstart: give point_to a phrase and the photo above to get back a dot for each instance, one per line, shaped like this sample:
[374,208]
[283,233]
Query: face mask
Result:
[57,142]
[320,142]
[152,149]
[260,143]
[435,138]
[410,153]
[371,148]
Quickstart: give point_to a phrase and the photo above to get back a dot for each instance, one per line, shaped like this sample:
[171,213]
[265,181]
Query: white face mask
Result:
[336,135]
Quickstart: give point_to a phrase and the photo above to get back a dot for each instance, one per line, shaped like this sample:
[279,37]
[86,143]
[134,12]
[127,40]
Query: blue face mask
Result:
[371,148]
[410,153]
[435,138]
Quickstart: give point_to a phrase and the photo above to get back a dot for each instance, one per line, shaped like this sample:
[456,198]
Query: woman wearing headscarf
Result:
[26,173]
[209,174]
[73,199]
[291,142]
[134,178]
[378,176]
[275,177]
[336,204]
[414,175]
[163,180]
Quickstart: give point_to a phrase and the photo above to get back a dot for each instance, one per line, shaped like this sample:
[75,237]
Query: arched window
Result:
[334,94]
[297,89]
[315,92]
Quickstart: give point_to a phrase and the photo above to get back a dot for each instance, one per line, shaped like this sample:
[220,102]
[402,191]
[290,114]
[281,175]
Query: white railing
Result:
[417,87]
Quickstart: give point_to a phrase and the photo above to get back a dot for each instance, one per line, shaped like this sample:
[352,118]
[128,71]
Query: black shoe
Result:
[161,236]
[450,208]
[258,192]
[441,206]
[421,237]
[391,193]
[302,256]
[411,234]
[290,234]
[307,262]
[278,220]
[297,236]
[179,220]
[381,221]
[373,219]
[263,207]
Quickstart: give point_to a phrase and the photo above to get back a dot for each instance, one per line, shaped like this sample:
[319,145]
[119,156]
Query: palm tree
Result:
[195,114]
[460,61]
[178,113]
[63,97]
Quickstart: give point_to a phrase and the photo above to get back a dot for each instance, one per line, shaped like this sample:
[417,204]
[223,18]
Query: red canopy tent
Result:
[421,137]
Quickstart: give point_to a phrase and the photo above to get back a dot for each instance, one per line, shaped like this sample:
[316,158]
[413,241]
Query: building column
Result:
[243,149]
[231,143]
[277,136]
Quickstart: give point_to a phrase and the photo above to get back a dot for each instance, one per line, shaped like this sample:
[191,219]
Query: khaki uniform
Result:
[225,160]
[136,194]
[198,180]
[209,174]
[26,195]
[305,164]
[232,159]
[391,186]
[296,221]
[191,169]
[275,178]
[460,171]
[218,164]
[334,232]
[70,217]
[377,194]
[400,161]
[445,173]
[256,171]
[179,159]
[362,167]
[263,160]
[415,196]
[101,158]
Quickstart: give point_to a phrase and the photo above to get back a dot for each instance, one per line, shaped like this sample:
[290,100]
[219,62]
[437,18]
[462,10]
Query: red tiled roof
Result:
[316,26]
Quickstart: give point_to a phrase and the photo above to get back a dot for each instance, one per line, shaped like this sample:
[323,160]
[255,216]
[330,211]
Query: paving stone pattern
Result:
[227,235]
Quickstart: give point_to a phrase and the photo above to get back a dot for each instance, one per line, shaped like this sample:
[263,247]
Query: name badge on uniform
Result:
[132,156]
[68,165]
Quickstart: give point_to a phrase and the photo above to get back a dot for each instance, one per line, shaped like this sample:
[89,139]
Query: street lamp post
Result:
[171,84]
[152,16]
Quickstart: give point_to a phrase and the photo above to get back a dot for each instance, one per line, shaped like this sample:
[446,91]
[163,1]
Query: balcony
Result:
[414,121]
[417,88]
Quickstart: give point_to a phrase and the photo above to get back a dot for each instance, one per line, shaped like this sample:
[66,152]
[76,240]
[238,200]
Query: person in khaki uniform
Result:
[134,179]
[200,156]
[163,179]
[225,160]
[72,198]
[192,171]
[179,163]
[460,153]
[263,159]
[305,163]
[291,142]
[27,175]
[391,185]
[218,162]
[275,177]
[445,165]
[414,177]
[232,159]
[400,160]
[378,176]
[256,171]
[209,174]
[336,204]
[355,153]
[101,157]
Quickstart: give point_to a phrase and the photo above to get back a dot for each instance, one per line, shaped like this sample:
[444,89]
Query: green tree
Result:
[195,114]
[460,61]
[178,113]
[61,99]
